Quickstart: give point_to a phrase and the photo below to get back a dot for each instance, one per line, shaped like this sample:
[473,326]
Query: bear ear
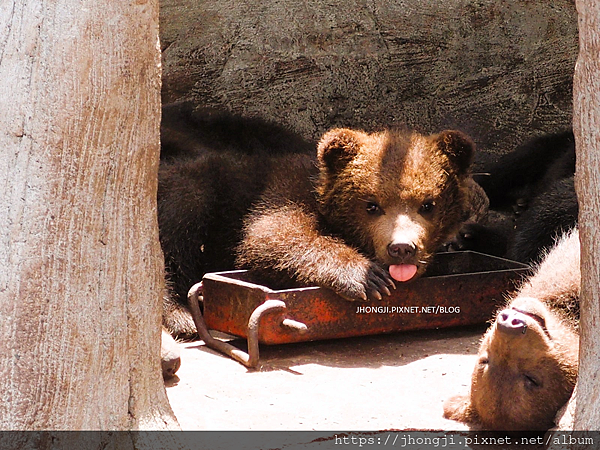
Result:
[459,408]
[459,148]
[338,147]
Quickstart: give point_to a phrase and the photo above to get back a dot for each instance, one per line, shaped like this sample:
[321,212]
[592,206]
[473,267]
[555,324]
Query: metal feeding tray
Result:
[459,288]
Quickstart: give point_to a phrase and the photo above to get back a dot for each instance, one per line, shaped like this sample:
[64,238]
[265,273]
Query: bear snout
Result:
[511,321]
[402,251]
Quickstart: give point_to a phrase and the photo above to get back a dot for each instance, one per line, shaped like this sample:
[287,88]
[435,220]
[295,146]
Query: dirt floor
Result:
[396,381]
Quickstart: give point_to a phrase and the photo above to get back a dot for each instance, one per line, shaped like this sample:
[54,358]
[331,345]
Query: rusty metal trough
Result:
[461,288]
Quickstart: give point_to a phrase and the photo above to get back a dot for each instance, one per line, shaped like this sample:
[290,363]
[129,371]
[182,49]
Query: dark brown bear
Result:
[368,211]
[380,206]
[528,359]
[532,200]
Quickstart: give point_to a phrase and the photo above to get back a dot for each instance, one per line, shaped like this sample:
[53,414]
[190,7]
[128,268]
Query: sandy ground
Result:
[396,381]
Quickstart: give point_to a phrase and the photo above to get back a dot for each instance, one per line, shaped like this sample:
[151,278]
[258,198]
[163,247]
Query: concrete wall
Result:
[499,70]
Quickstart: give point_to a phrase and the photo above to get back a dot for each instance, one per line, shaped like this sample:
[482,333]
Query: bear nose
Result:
[402,250]
[511,322]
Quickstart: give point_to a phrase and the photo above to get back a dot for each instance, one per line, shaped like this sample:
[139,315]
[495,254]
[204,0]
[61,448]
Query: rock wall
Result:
[500,71]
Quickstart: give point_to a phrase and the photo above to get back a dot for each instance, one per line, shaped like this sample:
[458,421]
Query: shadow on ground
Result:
[394,381]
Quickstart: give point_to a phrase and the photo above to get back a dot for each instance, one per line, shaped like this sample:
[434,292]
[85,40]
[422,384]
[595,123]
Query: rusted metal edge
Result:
[251,358]
[226,277]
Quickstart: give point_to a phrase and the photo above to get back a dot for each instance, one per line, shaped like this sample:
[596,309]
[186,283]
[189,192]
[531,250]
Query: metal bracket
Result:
[251,358]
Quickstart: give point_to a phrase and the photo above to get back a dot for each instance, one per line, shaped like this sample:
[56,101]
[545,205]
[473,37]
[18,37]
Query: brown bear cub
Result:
[368,210]
[528,359]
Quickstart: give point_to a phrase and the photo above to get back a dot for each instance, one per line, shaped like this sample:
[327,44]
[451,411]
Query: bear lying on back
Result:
[366,211]
[528,359]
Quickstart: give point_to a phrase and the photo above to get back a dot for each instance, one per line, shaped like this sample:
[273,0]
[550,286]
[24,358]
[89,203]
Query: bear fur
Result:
[528,359]
[170,355]
[214,166]
[527,171]
[364,211]
[483,229]
[532,200]
[187,131]
[548,215]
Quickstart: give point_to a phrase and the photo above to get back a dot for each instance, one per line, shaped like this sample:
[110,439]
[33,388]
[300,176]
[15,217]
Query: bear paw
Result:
[170,355]
[370,282]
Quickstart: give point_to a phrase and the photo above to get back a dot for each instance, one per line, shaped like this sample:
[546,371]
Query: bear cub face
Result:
[526,371]
[528,359]
[395,195]
[364,212]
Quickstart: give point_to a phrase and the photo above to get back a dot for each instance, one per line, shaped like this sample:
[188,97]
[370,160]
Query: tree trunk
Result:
[586,124]
[81,266]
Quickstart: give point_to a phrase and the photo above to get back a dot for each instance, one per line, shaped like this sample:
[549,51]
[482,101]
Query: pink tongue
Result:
[403,272]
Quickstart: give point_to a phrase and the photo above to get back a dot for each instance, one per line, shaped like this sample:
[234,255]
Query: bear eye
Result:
[373,208]
[531,382]
[484,360]
[466,235]
[427,207]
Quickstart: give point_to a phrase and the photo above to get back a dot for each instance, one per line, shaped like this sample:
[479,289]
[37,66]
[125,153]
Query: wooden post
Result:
[81,269]
[586,125]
